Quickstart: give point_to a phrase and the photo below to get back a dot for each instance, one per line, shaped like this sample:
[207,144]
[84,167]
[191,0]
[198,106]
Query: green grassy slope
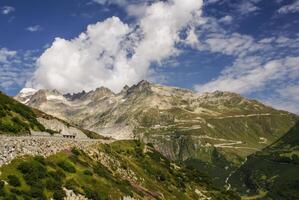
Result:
[16,118]
[273,172]
[123,168]
[194,140]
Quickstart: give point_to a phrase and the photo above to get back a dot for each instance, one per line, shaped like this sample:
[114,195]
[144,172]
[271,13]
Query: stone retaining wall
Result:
[12,147]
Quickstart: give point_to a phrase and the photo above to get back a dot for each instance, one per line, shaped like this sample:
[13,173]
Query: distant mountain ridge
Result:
[210,131]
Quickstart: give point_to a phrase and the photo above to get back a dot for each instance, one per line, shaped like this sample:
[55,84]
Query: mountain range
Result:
[103,169]
[212,132]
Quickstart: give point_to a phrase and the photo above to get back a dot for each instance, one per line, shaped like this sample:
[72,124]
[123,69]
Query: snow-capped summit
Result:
[25,92]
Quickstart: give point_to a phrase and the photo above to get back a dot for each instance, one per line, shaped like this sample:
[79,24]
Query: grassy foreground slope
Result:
[108,171]
[272,173]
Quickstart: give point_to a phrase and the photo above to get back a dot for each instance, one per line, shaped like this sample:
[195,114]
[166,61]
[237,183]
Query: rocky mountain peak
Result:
[38,98]
[99,93]
[141,87]
[54,92]
[124,90]
[143,82]
[103,91]
[221,95]
[25,94]
[75,96]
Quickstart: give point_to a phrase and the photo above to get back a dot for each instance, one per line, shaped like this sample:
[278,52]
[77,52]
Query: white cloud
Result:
[226,19]
[248,75]
[291,8]
[267,40]
[5,10]
[5,54]
[282,104]
[230,44]
[111,53]
[192,39]
[34,28]
[270,62]
[15,68]
[137,10]
[282,39]
[287,98]
[100,1]
[246,7]
[291,92]
[211,1]
[117,2]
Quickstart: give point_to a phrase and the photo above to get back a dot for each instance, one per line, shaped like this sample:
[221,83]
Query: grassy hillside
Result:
[121,169]
[217,145]
[273,172]
[16,118]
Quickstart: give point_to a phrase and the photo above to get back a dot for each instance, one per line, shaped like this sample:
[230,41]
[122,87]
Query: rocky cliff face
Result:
[211,131]
[61,128]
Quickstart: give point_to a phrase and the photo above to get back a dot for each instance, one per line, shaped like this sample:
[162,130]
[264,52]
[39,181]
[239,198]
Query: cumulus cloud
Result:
[5,10]
[112,53]
[34,28]
[290,8]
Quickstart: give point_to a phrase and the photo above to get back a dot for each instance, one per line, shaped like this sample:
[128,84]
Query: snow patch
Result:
[55,97]
[25,92]
[263,140]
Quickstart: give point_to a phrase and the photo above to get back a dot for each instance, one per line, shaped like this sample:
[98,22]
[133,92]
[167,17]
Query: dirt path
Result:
[249,115]
[227,184]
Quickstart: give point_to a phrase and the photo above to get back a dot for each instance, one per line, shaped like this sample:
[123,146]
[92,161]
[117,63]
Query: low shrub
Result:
[75,151]
[87,172]
[14,180]
[67,166]
[59,194]
[2,184]
[72,184]
[33,172]
[38,193]
[52,184]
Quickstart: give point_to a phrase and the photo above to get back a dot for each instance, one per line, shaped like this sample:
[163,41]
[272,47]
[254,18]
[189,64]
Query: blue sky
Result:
[247,46]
